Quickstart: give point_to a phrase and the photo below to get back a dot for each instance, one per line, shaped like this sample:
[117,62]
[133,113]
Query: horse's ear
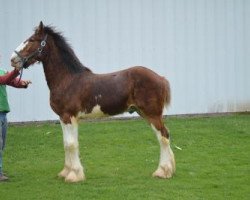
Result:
[40,27]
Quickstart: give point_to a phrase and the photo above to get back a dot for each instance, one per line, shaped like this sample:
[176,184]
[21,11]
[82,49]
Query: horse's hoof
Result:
[72,177]
[64,173]
[163,172]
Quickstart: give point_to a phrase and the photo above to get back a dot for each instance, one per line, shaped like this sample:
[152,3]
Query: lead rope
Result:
[20,77]
[23,60]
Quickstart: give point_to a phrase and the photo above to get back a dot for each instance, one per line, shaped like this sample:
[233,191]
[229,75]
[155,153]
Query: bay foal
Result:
[76,92]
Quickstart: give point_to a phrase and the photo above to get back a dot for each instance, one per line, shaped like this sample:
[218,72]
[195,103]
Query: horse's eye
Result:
[31,40]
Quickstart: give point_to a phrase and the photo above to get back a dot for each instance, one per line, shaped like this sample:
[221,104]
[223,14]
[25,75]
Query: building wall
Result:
[201,46]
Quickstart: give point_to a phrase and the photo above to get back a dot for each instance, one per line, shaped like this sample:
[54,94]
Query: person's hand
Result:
[25,83]
[17,69]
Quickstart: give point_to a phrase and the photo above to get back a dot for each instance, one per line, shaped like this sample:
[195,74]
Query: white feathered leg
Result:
[166,166]
[73,170]
[67,164]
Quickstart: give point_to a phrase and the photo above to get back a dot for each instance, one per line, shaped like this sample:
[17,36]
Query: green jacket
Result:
[4,105]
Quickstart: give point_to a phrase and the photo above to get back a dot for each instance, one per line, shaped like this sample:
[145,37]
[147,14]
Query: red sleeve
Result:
[17,83]
[7,78]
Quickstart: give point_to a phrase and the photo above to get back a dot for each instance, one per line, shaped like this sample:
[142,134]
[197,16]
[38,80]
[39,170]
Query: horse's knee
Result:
[70,145]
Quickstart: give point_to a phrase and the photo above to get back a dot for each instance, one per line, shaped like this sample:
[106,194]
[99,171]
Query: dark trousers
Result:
[3,132]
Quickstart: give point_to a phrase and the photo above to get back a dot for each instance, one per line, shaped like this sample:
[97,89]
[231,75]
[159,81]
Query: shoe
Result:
[3,178]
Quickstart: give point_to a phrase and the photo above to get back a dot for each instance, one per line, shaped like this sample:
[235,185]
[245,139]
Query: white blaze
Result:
[18,49]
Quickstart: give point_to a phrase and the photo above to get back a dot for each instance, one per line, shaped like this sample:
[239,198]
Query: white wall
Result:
[201,46]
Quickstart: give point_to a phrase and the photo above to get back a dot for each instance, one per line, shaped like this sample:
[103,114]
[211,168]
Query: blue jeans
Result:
[3,132]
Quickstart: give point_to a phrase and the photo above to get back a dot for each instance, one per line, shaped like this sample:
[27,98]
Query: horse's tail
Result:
[167,92]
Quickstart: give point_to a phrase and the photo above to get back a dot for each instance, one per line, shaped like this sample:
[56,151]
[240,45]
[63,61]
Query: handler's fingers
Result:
[26,83]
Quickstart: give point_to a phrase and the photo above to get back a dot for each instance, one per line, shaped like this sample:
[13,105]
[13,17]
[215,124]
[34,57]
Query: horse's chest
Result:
[61,102]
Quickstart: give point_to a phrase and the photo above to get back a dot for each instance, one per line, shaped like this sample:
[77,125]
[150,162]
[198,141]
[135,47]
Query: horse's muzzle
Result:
[16,62]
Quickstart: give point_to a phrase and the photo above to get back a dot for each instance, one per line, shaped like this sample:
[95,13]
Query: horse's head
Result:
[31,50]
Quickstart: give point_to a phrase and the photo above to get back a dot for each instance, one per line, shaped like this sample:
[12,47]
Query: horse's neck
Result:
[56,74]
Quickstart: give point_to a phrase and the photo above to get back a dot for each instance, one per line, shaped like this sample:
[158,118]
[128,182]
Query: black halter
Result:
[24,60]
[39,50]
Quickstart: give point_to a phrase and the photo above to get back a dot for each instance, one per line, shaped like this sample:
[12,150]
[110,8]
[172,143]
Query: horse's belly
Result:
[95,113]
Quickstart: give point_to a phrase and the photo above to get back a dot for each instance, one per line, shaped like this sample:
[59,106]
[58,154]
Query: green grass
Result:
[120,156]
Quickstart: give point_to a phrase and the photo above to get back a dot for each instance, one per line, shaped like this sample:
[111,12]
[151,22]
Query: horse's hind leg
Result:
[166,166]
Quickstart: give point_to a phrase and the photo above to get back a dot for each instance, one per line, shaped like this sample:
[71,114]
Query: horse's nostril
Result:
[13,60]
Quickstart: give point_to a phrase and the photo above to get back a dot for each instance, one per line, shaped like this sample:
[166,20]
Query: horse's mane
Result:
[66,52]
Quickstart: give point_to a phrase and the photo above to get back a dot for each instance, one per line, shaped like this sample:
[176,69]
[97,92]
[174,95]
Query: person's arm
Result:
[17,83]
[8,77]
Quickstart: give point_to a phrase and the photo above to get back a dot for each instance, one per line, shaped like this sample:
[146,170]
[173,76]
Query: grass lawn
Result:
[120,156]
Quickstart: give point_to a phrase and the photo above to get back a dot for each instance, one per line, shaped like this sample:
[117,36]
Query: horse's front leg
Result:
[73,170]
[64,173]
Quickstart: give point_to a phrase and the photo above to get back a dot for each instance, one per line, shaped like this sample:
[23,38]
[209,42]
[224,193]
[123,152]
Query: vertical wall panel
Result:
[201,46]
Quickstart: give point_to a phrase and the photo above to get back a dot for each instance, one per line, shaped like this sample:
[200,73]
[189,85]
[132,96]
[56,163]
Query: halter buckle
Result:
[40,50]
[43,43]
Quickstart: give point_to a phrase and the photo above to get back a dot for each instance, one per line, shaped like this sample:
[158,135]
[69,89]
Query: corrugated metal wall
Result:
[201,46]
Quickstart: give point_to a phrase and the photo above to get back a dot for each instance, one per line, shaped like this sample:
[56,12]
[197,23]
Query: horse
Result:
[76,92]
